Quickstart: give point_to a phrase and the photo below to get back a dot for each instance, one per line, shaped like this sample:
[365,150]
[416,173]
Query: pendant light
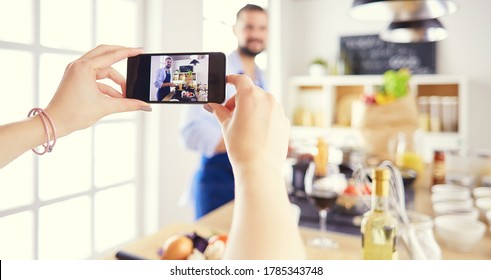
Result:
[401,10]
[194,59]
[429,30]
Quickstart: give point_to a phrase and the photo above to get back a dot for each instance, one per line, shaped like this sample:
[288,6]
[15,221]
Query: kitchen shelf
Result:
[323,106]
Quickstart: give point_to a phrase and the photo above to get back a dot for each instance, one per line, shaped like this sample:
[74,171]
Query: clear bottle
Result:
[321,159]
[378,226]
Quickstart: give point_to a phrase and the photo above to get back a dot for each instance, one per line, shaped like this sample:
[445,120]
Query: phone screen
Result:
[177,77]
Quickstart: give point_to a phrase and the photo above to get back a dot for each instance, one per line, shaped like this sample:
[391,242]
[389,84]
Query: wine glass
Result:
[323,194]
[294,175]
[288,176]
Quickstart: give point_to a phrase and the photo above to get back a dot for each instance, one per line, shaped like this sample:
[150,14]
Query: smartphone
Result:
[189,78]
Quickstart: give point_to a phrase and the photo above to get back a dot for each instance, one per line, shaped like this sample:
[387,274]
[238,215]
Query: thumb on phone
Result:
[128,105]
[221,112]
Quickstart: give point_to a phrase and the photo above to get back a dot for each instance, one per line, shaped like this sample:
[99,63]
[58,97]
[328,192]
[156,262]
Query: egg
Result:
[223,237]
[196,255]
[177,248]
[215,250]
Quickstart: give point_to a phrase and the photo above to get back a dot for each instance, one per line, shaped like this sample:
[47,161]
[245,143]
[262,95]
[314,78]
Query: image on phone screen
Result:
[177,78]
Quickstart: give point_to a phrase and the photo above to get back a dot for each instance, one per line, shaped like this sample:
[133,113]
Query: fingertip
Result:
[208,108]
[213,105]
[239,80]
[219,111]
[229,78]
[139,49]
[146,108]
[143,106]
[129,105]
[232,78]
[135,51]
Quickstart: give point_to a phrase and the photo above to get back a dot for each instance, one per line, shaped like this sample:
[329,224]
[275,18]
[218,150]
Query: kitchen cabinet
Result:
[326,106]
[182,77]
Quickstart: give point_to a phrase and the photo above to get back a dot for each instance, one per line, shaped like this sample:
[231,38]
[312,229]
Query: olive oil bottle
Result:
[378,226]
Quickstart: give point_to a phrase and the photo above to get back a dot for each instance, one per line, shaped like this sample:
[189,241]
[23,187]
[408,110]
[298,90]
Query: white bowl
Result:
[480,192]
[450,196]
[459,208]
[467,204]
[447,188]
[484,204]
[461,179]
[459,233]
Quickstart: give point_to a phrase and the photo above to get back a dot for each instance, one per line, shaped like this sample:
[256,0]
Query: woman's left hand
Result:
[81,100]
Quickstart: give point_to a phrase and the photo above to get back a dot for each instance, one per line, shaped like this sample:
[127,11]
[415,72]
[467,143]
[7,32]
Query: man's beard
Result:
[245,50]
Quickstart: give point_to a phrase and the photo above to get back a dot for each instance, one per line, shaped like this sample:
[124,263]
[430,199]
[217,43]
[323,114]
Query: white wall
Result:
[175,165]
[467,51]
[312,28]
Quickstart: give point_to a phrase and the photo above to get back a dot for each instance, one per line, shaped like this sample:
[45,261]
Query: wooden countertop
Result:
[349,245]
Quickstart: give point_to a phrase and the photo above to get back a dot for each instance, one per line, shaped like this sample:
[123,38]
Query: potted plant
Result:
[318,67]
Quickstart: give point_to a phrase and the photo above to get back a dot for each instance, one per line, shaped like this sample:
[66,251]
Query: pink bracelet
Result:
[47,121]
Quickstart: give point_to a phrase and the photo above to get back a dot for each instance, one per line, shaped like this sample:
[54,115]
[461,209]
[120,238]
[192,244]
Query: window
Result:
[80,201]
[218,19]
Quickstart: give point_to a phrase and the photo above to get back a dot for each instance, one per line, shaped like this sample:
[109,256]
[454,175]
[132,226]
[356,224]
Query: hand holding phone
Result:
[177,78]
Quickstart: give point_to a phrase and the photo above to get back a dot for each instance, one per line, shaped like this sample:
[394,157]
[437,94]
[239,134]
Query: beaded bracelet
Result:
[48,127]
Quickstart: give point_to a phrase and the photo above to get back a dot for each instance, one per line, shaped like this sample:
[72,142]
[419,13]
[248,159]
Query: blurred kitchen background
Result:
[128,176]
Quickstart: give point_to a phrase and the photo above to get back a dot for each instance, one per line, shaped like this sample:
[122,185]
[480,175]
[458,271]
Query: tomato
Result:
[350,190]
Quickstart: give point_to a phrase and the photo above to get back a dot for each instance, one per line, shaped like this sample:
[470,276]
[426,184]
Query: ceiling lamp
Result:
[430,30]
[401,10]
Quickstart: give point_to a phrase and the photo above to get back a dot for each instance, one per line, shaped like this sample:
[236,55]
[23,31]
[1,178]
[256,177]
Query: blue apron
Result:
[163,91]
[213,184]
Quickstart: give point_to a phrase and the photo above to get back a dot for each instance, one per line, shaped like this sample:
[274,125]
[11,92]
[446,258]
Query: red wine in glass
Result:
[323,199]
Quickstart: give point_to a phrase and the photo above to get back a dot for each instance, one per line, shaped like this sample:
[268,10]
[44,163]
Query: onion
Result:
[178,249]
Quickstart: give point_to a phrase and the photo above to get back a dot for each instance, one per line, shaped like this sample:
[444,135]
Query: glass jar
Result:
[427,247]
[424,113]
[408,149]
[450,114]
[435,113]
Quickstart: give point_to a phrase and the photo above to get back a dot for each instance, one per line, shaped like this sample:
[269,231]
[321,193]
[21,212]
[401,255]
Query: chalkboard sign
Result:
[186,68]
[370,55]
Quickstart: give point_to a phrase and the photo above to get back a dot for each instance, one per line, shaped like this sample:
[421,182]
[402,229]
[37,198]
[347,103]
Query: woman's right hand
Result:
[255,130]
[254,125]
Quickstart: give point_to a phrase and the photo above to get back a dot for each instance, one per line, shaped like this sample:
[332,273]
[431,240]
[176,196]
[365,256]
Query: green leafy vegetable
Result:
[396,82]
